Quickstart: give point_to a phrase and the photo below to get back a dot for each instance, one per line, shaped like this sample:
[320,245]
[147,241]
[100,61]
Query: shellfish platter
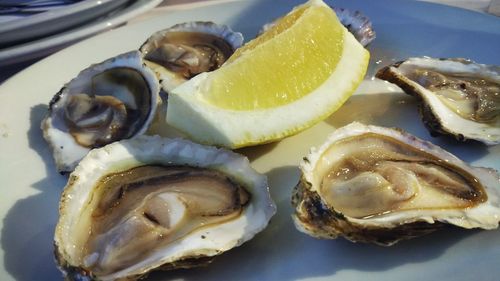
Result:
[258,230]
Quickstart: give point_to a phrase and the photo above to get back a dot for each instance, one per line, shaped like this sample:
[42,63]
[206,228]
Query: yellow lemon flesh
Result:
[294,75]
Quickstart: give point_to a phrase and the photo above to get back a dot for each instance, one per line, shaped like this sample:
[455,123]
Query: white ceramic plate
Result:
[46,45]
[54,20]
[30,186]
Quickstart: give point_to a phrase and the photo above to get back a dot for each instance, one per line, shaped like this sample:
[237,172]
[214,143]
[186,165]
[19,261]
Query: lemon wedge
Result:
[294,75]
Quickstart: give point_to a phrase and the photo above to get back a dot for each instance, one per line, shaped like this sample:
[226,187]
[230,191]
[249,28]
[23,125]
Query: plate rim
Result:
[52,14]
[47,45]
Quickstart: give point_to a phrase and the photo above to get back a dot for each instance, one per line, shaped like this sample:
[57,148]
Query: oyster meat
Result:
[109,101]
[152,203]
[457,97]
[381,185]
[184,50]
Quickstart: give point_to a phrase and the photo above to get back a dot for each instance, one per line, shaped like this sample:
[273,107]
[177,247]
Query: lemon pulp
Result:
[300,52]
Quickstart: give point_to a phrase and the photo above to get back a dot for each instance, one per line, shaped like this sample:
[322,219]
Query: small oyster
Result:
[381,185]
[151,203]
[457,97]
[106,102]
[184,50]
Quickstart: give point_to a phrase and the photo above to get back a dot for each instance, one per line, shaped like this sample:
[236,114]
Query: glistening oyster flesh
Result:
[457,97]
[381,185]
[184,50]
[106,102]
[151,203]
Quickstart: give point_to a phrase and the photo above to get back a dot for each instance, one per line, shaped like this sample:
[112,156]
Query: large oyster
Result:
[458,97]
[106,102]
[151,203]
[184,50]
[381,185]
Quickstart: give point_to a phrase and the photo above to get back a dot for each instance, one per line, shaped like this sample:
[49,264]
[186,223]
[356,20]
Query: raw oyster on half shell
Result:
[151,203]
[381,185]
[106,102]
[184,50]
[457,97]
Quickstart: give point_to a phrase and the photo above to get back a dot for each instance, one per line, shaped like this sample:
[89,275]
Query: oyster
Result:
[106,102]
[151,203]
[381,185]
[184,50]
[457,97]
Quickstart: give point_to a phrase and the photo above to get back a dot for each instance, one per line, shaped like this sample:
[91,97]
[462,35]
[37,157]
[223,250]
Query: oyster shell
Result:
[357,23]
[106,102]
[457,97]
[151,203]
[184,50]
[381,185]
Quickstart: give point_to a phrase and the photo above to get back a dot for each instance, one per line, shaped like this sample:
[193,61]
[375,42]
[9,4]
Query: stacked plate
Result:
[24,37]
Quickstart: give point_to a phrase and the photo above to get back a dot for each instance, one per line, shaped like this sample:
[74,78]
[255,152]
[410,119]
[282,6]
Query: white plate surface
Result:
[30,186]
[40,47]
[54,20]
